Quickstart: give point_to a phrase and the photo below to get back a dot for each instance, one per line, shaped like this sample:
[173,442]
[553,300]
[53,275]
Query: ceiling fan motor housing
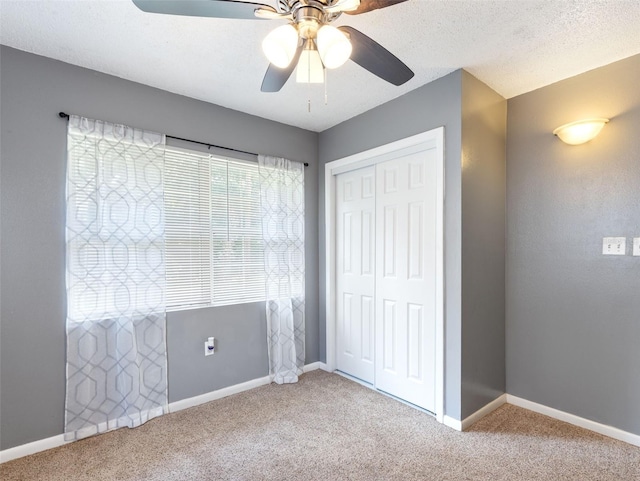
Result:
[309,18]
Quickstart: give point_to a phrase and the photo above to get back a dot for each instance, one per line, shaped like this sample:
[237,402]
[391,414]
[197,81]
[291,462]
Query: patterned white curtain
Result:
[282,198]
[116,346]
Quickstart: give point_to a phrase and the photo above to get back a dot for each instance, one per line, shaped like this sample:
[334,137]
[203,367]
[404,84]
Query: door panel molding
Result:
[355,273]
[433,139]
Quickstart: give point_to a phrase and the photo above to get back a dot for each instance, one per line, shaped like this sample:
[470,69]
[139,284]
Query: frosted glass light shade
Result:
[334,46]
[349,5]
[280,45]
[343,6]
[581,131]
[310,68]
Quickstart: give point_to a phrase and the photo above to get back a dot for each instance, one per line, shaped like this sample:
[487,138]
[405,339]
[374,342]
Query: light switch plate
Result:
[614,246]
[636,246]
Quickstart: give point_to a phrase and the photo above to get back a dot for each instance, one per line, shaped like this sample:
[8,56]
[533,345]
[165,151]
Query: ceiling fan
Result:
[307,41]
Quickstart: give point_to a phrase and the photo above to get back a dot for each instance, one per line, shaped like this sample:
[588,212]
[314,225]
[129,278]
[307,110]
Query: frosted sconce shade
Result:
[280,45]
[310,68]
[581,131]
[334,46]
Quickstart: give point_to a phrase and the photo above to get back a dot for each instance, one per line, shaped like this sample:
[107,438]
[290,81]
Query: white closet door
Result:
[406,278]
[355,273]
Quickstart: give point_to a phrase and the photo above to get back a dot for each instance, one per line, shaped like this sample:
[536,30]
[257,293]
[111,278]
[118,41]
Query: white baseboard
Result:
[615,433]
[483,411]
[235,389]
[452,423]
[55,441]
[594,426]
[316,365]
[32,448]
[473,418]
[218,394]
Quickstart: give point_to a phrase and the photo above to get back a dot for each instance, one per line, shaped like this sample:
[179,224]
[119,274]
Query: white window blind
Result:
[213,232]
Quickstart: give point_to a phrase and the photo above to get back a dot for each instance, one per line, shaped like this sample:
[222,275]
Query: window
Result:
[213,231]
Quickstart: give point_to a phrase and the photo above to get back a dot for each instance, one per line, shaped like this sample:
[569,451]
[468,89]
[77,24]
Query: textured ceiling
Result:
[513,46]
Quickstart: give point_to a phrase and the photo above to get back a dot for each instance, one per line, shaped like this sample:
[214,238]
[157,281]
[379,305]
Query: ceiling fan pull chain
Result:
[326,96]
[309,87]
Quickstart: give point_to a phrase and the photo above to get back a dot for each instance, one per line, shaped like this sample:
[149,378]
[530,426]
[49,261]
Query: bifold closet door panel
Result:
[405,285]
[355,273]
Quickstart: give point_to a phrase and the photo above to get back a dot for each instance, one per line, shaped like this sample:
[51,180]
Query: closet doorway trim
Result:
[424,141]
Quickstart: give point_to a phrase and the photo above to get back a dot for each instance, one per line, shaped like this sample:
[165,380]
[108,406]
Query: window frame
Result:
[211,157]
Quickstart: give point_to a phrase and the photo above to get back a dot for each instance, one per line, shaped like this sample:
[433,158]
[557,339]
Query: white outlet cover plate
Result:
[614,246]
[636,246]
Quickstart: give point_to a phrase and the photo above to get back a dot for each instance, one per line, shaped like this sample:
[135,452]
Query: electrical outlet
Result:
[209,346]
[636,246]
[614,246]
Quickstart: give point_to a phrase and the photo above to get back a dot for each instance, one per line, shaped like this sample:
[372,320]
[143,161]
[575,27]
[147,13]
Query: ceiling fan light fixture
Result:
[310,69]
[306,18]
[350,5]
[343,6]
[280,45]
[334,46]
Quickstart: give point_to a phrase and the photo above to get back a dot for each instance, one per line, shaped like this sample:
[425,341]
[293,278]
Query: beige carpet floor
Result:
[328,428]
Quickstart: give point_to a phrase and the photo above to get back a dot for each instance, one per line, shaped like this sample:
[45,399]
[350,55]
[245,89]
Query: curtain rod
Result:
[63,115]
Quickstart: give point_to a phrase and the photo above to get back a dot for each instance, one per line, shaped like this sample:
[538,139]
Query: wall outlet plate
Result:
[210,346]
[614,246]
[636,246]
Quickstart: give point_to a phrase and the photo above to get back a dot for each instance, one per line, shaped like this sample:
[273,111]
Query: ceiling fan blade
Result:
[275,78]
[372,56]
[369,5]
[204,8]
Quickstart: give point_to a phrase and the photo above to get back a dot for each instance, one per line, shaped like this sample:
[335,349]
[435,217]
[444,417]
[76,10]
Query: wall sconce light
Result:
[580,131]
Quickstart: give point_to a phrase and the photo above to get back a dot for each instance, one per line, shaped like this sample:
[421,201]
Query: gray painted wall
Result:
[430,106]
[474,117]
[573,315]
[484,125]
[32,348]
